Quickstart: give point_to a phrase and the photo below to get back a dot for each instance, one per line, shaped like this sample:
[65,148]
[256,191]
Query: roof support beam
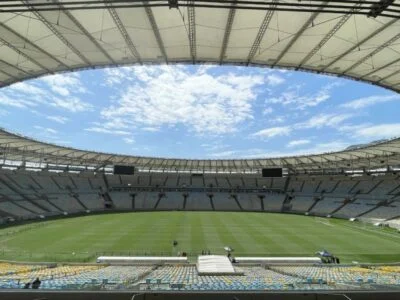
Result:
[124,33]
[390,75]
[260,35]
[58,34]
[14,67]
[84,31]
[227,34]
[26,56]
[355,46]
[192,31]
[370,55]
[297,35]
[26,41]
[8,74]
[326,38]
[156,31]
[381,68]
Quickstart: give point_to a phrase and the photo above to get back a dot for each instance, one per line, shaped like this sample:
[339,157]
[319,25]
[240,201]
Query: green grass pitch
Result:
[82,239]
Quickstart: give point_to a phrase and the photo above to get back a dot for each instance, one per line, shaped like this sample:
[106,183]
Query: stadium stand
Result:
[356,208]
[186,277]
[171,200]
[326,206]
[121,200]
[310,185]
[27,194]
[224,201]
[198,201]
[340,275]
[250,201]
[383,212]
[302,204]
[273,201]
[92,201]
[146,200]
[62,36]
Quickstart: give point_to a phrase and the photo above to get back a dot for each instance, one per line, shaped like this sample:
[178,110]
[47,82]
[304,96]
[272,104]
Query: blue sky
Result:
[208,112]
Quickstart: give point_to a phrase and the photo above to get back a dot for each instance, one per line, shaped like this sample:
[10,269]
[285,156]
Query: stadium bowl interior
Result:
[322,226]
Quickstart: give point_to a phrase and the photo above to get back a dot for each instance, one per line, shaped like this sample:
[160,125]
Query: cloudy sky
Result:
[200,111]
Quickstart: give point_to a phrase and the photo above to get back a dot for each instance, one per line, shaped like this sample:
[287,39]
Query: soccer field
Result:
[152,233]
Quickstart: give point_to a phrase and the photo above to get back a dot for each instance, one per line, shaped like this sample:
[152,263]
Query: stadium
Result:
[96,225]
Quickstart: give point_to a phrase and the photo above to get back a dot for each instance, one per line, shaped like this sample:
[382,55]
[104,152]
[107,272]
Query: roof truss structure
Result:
[23,149]
[351,38]
[356,39]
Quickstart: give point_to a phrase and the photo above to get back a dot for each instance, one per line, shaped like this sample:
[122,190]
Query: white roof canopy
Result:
[19,148]
[355,39]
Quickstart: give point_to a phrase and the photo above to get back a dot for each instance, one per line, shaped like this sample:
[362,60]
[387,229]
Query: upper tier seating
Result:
[295,185]
[28,194]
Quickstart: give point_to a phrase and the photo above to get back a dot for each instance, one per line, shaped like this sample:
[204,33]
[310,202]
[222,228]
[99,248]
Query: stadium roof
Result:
[19,148]
[354,39]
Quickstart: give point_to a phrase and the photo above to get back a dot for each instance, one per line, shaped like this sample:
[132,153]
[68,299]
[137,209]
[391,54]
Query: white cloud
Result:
[107,131]
[293,98]
[129,140]
[325,147]
[273,79]
[297,143]
[45,129]
[58,119]
[277,120]
[224,154]
[235,153]
[214,146]
[64,84]
[371,132]
[272,132]
[267,111]
[27,88]
[369,101]
[115,76]
[61,91]
[324,120]
[167,96]
[315,149]
[150,129]
[72,104]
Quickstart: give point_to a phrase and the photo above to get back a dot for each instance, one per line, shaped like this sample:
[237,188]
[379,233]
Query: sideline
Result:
[393,235]
[323,221]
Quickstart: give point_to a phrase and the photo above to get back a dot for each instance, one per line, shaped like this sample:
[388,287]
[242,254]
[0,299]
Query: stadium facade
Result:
[40,179]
